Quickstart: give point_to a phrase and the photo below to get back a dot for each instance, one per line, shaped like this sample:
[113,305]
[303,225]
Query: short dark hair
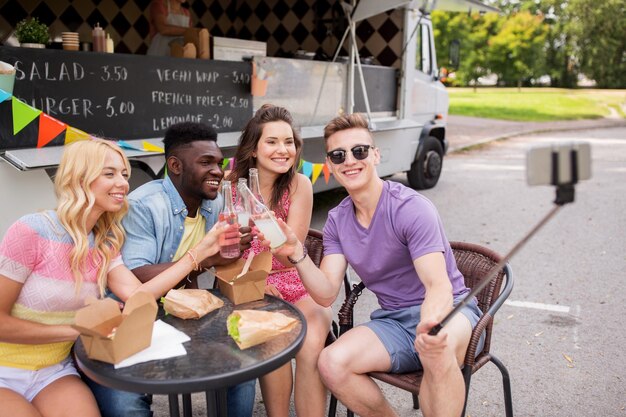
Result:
[182,134]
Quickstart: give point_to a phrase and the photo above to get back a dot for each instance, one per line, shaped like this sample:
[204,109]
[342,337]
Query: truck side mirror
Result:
[454,54]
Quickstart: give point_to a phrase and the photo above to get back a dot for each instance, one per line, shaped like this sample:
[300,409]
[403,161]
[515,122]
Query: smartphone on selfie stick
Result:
[560,165]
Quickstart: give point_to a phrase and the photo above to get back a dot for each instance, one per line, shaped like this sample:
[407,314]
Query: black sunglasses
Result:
[338,156]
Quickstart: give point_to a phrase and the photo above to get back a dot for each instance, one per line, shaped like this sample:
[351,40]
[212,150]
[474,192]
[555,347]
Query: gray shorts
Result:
[396,330]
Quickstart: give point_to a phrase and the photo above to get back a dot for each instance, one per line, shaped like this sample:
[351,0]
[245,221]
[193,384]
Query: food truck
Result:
[62,96]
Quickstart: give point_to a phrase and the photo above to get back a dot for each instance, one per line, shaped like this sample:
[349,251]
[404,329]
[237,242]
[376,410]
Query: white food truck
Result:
[407,105]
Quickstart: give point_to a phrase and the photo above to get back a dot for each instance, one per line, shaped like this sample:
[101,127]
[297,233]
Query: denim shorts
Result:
[396,330]
[29,383]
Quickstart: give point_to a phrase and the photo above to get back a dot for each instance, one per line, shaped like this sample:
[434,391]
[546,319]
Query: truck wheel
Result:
[425,171]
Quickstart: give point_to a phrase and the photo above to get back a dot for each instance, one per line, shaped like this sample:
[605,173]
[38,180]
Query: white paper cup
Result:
[7,77]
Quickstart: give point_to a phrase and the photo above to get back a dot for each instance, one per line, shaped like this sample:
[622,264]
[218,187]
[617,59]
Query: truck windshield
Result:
[423,62]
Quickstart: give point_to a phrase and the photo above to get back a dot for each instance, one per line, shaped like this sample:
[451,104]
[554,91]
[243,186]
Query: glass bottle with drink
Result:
[242,205]
[261,215]
[253,173]
[228,216]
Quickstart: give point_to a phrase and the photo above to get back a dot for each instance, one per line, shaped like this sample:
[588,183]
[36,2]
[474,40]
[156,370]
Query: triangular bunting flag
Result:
[23,114]
[231,163]
[307,168]
[300,165]
[73,135]
[317,169]
[4,95]
[225,163]
[125,145]
[148,147]
[49,128]
[326,173]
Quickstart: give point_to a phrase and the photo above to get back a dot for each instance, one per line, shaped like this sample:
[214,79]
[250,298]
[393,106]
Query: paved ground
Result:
[464,132]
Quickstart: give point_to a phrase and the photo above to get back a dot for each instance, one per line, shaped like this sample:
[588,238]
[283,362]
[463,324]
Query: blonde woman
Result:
[51,261]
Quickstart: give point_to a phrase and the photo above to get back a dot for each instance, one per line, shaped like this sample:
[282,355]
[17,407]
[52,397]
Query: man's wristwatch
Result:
[300,259]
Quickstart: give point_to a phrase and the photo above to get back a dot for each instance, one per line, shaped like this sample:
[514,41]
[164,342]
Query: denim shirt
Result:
[155,223]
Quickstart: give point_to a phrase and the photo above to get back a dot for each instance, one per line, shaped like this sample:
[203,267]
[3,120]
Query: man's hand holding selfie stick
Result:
[562,166]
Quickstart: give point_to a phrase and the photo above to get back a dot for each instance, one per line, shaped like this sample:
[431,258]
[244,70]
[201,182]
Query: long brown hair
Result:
[248,141]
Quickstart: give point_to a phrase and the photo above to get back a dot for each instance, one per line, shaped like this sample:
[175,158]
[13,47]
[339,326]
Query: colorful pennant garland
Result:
[148,147]
[125,145]
[50,128]
[4,96]
[23,114]
[310,169]
[73,135]
[317,168]
[326,173]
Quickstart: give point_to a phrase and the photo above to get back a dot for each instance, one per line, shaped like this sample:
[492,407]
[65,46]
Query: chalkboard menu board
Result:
[123,96]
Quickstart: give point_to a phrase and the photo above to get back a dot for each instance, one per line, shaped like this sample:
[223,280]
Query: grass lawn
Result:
[537,104]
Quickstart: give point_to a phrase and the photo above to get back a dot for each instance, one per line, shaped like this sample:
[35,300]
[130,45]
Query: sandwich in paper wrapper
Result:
[252,327]
[190,303]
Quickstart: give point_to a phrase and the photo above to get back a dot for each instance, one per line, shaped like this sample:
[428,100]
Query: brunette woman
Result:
[270,144]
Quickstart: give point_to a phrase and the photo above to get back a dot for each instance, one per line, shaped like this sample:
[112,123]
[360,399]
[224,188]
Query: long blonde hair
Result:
[82,163]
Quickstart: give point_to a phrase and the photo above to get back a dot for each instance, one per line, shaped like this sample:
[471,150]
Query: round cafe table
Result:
[213,361]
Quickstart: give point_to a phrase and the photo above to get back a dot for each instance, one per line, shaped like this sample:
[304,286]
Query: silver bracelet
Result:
[300,259]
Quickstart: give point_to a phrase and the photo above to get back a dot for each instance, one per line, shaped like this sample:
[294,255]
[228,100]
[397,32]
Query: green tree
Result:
[473,32]
[483,28]
[448,27]
[559,57]
[516,52]
[559,51]
[599,28]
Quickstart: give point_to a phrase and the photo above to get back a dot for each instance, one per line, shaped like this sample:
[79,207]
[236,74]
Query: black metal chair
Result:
[474,262]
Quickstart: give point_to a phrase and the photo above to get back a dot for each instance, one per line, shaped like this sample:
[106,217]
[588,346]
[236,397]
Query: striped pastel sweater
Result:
[35,252]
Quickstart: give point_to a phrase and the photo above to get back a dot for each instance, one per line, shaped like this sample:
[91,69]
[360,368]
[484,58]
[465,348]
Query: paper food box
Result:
[111,335]
[250,286]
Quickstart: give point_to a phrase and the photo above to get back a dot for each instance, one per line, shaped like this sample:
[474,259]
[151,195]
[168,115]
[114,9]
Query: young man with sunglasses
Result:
[394,239]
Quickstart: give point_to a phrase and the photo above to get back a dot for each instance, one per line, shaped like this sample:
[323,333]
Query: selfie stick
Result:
[564,195]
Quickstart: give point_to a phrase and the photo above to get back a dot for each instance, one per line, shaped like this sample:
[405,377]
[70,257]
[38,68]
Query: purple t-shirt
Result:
[405,226]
